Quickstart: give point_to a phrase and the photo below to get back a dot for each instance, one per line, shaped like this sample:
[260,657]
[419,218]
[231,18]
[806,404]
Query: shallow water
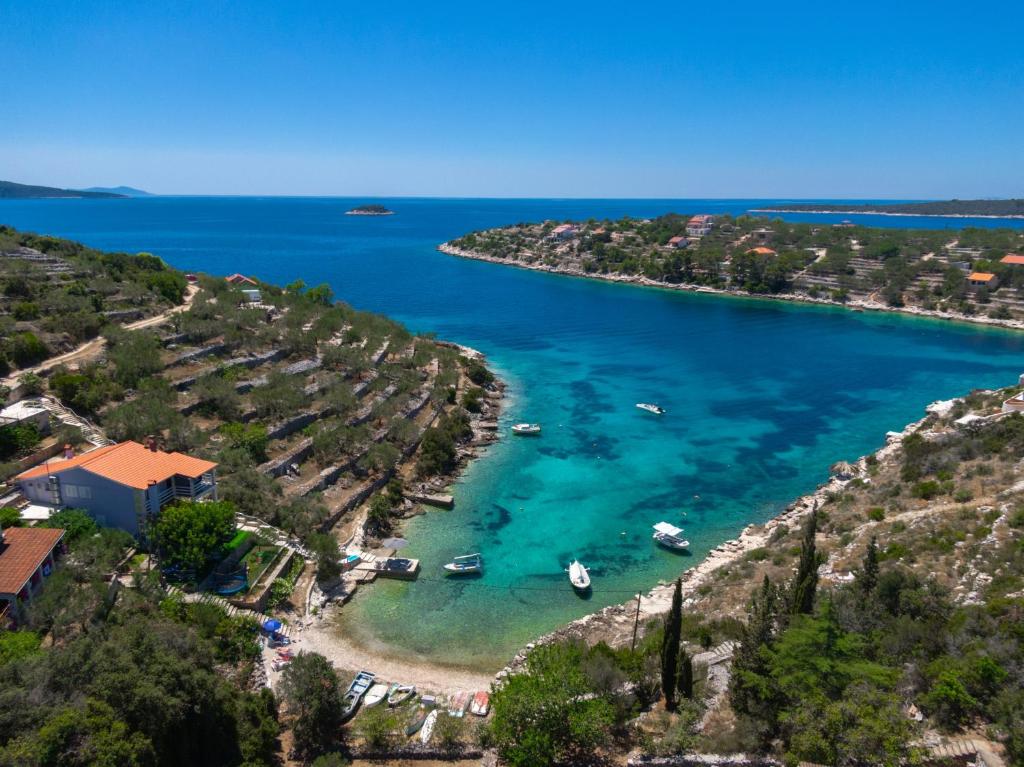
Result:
[762,396]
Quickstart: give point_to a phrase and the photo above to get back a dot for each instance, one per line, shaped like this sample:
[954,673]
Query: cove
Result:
[762,396]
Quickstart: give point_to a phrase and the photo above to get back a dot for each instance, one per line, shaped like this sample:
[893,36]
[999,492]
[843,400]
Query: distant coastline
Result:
[875,212]
[1009,209]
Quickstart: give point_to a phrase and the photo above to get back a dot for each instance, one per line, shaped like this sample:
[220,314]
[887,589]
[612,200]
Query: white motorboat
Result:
[428,727]
[656,409]
[526,429]
[578,575]
[376,694]
[670,536]
[470,563]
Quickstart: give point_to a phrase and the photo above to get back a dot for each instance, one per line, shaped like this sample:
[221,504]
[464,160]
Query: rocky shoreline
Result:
[856,305]
[614,623]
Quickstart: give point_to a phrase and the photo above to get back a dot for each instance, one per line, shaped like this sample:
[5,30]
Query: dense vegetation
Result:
[10,190]
[894,267]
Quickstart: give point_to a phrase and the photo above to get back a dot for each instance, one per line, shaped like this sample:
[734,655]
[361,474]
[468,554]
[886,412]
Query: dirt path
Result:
[90,350]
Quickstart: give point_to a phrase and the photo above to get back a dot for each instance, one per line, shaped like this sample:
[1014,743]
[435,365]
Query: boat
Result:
[376,694]
[419,716]
[428,727]
[526,429]
[469,563]
[670,536]
[355,693]
[400,693]
[578,575]
[481,704]
[457,705]
[656,409]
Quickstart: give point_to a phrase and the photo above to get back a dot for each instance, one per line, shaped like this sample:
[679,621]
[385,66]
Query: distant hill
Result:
[120,191]
[11,191]
[995,208]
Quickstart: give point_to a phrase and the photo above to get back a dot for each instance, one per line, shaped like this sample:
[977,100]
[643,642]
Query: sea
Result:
[761,396]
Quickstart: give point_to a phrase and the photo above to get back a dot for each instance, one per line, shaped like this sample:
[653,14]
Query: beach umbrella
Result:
[271,626]
[394,543]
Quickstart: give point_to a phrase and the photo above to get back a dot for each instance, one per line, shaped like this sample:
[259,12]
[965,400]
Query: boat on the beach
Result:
[481,704]
[376,694]
[526,429]
[419,716]
[356,691]
[656,409]
[458,704]
[400,693]
[578,575]
[468,563]
[670,536]
[428,727]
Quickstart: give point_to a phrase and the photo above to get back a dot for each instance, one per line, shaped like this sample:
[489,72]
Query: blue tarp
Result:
[272,625]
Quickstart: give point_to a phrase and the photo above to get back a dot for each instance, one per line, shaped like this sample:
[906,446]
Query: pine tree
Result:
[868,576]
[685,685]
[670,647]
[805,584]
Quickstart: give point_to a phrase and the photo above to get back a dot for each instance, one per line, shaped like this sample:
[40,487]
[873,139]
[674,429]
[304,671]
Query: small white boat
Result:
[656,409]
[526,429]
[578,575]
[670,536]
[376,694]
[428,727]
[481,704]
[470,563]
[400,693]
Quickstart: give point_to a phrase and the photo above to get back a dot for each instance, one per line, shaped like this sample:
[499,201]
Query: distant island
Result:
[370,210]
[955,208]
[12,191]
[119,191]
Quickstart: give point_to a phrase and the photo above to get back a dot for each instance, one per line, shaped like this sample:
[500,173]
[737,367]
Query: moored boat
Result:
[526,429]
[656,409]
[578,575]
[481,704]
[468,563]
[375,694]
[670,536]
[428,727]
[400,693]
[356,690]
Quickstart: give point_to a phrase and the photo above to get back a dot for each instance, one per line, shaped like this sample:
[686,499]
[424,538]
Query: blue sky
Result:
[904,100]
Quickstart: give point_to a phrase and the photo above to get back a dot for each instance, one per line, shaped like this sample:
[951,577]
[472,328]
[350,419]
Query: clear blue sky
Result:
[906,99]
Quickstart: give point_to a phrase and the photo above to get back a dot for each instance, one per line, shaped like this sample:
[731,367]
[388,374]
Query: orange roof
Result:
[762,251]
[981,277]
[1012,258]
[22,551]
[237,279]
[127,463]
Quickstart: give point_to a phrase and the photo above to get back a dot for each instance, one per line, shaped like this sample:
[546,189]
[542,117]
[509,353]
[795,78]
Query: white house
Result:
[698,226]
[26,412]
[120,485]
[252,295]
[563,232]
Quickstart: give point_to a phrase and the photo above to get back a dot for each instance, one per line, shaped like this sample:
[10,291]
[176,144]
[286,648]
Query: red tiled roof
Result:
[1012,258]
[128,463]
[980,277]
[236,279]
[762,251]
[22,551]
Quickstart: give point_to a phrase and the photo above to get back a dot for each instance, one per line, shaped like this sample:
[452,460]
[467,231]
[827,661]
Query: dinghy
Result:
[656,409]
[376,694]
[457,705]
[356,690]
[578,575]
[526,429]
[416,721]
[470,563]
[428,727]
[481,704]
[670,536]
[400,693]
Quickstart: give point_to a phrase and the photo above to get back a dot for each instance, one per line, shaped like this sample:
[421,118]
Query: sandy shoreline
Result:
[1010,217]
[857,305]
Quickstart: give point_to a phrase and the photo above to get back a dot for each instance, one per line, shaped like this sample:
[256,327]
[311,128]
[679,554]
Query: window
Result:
[84,491]
[70,491]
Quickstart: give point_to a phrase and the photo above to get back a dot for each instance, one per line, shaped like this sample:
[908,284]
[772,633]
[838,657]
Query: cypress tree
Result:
[685,685]
[749,665]
[670,647]
[805,584]
[868,576]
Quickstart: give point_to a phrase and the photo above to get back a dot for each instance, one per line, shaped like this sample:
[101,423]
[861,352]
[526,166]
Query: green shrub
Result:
[876,513]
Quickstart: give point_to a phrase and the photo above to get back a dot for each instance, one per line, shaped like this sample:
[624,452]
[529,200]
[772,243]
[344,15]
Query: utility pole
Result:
[636,622]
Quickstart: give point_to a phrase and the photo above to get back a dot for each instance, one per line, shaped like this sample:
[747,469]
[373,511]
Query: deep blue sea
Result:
[762,396]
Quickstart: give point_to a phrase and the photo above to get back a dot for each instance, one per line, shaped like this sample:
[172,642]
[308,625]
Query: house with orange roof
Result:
[1012,259]
[28,555]
[698,226]
[983,280]
[240,279]
[564,232]
[762,251]
[123,485]
[678,242]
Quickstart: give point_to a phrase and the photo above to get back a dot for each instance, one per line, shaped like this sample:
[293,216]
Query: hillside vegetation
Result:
[10,190]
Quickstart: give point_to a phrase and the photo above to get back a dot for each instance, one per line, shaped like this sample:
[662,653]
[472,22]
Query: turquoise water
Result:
[762,396]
